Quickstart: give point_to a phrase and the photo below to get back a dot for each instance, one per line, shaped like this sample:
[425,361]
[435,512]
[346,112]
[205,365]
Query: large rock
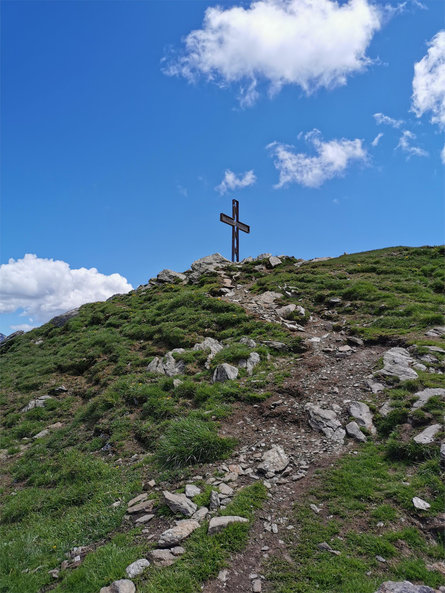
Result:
[209,263]
[403,587]
[250,363]
[219,523]
[121,586]
[274,261]
[209,344]
[179,503]
[325,421]
[427,436]
[36,403]
[286,311]
[137,567]
[396,363]
[60,320]
[436,332]
[362,414]
[162,557]
[268,298]
[353,430]
[425,395]
[173,367]
[170,276]
[168,365]
[175,535]
[224,372]
[274,460]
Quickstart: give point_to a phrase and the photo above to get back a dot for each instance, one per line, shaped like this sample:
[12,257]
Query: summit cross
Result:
[237,226]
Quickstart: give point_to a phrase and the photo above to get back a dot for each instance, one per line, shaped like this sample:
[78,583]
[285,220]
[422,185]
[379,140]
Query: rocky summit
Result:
[273,425]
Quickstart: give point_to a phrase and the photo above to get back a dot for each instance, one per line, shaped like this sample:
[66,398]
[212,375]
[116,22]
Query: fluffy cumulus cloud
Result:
[429,82]
[43,288]
[309,43]
[406,145]
[381,118]
[331,160]
[232,181]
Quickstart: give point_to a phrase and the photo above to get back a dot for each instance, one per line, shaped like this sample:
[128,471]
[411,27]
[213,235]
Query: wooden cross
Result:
[236,227]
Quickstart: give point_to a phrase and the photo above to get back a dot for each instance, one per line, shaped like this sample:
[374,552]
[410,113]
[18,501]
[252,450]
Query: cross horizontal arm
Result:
[235,223]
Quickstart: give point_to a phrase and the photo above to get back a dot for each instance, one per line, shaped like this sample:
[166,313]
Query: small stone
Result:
[256,586]
[201,514]
[225,490]
[353,430]
[137,567]
[162,557]
[274,460]
[362,414]
[146,505]
[121,586]
[427,436]
[380,559]
[137,499]
[179,503]
[41,434]
[224,372]
[223,576]
[191,490]
[175,535]
[314,508]
[54,573]
[214,501]
[219,523]
[178,551]
[420,504]
[144,519]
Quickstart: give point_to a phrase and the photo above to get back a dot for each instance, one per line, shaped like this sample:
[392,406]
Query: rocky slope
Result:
[273,425]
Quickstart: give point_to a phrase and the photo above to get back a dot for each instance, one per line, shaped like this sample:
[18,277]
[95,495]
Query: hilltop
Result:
[272,426]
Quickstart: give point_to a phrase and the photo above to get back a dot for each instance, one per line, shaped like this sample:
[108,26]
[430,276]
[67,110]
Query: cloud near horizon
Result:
[308,43]
[44,288]
[232,181]
[332,160]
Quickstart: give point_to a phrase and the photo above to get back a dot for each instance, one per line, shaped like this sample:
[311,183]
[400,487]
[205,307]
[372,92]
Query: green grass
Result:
[375,492]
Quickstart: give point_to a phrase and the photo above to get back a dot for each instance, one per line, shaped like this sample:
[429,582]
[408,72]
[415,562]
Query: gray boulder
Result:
[156,366]
[121,586]
[325,421]
[162,557]
[425,395]
[175,535]
[60,320]
[137,567]
[173,367]
[179,503]
[268,298]
[353,430]
[201,514]
[250,363]
[286,311]
[36,403]
[403,587]
[224,372]
[274,460]
[248,342]
[214,503]
[219,523]
[427,436]
[362,414]
[170,276]
[274,261]
[209,263]
[191,490]
[209,344]
[396,363]
[436,332]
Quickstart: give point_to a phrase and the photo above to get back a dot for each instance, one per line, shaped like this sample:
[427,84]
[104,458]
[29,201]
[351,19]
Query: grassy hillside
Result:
[110,426]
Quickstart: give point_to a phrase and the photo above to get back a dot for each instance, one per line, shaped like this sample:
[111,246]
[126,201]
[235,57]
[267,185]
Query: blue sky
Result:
[116,134]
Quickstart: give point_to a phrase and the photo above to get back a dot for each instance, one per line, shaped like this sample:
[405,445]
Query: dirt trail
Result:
[325,376]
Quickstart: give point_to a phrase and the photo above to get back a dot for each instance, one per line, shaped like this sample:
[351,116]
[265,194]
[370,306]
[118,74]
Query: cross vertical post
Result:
[236,225]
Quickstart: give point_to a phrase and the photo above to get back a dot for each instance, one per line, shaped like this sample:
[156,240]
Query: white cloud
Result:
[332,160]
[380,118]
[377,139]
[25,327]
[232,181]
[429,81]
[44,288]
[405,144]
[309,43]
